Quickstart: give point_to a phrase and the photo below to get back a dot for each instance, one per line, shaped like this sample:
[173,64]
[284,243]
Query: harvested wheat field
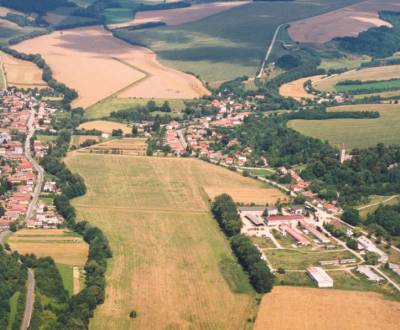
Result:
[296,89]
[126,146]
[21,74]
[291,308]
[97,65]
[64,247]
[167,249]
[180,15]
[348,21]
[105,126]
[375,73]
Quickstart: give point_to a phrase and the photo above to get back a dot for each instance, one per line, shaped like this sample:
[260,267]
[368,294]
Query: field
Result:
[64,247]
[355,133]
[105,126]
[21,74]
[296,89]
[168,251]
[76,140]
[98,65]
[180,15]
[371,86]
[110,104]
[348,61]
[126,146]
[229,44]
[348,21]
[374,202]
[367,74]
[290,308]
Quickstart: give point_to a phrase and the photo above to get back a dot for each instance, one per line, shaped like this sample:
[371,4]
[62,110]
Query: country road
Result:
[30,298]
[37,167]
[269,51]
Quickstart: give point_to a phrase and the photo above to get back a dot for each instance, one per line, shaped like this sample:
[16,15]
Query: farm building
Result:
[279,220]
[253,214]
[255,219]
[272,211]
[395,268]
[320,277]
[300,239]
[313,230]
[370,274]
[365,244]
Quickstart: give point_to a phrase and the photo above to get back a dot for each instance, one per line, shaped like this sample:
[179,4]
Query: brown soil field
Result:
[21,73]
[105,126]
[97,65]
[180,15]
[296,89]
[348,21]
[293,308]
[68,250]
[376,73]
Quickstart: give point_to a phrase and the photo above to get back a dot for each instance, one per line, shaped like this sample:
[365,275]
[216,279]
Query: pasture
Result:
[110,104]
[168,251]
[21,74]
[347,21]
[97,65]
[293,308]
[64,247]
[228,44]
[105,126]
[355,133]
[375,73]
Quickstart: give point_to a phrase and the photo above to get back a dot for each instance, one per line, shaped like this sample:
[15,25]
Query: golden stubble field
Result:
[105,126]
[65,248]
[21,74]
[347,21]
[166,246]
[97,65]
[296,89]
[180,15]
[292,308]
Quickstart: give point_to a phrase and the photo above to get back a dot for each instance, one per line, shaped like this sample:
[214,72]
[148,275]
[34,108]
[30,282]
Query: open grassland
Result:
[290,308]
[231,43]
[348,21]
[180,15]
[21,74]
[110,104]
[105,126]
[296,89]
[97,65]
[374,202]
[367,74]
[169,257]
[64,247]
[355,133]
[348,62]
[393,84]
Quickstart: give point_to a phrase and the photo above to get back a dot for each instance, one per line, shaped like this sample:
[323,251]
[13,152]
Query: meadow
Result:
[229,44]
[372,87]
[168,251]
[307,308]
[355,133]
[110,104]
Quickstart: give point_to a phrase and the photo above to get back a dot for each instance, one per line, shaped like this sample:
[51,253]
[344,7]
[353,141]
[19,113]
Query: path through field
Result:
[97,65]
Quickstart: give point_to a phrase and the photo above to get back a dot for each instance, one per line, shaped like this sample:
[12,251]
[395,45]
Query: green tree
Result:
[351,216]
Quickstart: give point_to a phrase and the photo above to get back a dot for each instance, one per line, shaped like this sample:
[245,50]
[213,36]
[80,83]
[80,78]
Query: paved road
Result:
[30,299]
[39,169]
[269,51]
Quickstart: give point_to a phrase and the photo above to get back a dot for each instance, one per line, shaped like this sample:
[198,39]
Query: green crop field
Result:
[355,133]
[171,263]
[231,43]
[66,275]
[373,87]
[110,104]
[13,309]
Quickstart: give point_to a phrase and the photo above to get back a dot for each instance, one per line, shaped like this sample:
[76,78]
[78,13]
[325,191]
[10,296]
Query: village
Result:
[21,176]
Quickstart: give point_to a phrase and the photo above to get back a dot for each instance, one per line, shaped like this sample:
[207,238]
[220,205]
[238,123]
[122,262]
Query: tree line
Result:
[225,212]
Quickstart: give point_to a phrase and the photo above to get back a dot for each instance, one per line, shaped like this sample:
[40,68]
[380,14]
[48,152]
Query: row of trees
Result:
[225,212]
[322,114]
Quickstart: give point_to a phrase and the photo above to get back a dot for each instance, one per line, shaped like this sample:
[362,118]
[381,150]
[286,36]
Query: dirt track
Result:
[97,65]
[348,21]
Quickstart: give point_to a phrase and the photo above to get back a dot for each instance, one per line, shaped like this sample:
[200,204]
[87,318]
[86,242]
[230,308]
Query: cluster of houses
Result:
[16,170]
